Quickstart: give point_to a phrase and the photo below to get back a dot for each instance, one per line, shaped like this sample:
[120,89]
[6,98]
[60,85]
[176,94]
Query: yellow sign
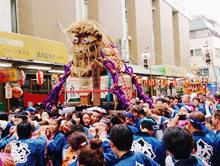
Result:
[14,45]
[10,75]
[176,71]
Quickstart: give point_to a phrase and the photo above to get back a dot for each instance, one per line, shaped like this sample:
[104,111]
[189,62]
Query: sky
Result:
[208,8]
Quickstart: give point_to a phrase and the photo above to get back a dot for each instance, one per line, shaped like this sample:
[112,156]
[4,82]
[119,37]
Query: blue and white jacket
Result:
[25,151]
[150,146]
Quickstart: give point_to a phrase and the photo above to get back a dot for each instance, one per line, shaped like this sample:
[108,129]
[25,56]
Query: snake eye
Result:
[75,40]
[85,40]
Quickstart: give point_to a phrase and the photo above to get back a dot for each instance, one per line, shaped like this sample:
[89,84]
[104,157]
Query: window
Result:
[205,72]
[126,16]
[191,53]
[14,18]
[217,52]
[192,34]
[86,9]
[198,52]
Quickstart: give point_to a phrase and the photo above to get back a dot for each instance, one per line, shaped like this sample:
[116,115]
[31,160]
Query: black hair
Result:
[148,125]
[36,105]
[208,120]
[42,106]
[79,115]
[217,95]
[217,114]
[198,116]
[178,98]
[20,109]
[122,137]
[170,97]
[138,102]
[3,116]
[23,115]
[117,118]
[178,141]
[33,117]
[24,130]
[162,100]
[194,144]
[77,128]
[141,111]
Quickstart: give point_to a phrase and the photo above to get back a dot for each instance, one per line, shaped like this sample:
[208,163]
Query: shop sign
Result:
[8,91]
[10,75]
[17,46]
[176,71]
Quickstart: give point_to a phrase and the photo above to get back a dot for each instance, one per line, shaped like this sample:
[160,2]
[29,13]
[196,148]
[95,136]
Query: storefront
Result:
[31,54]
[163,79]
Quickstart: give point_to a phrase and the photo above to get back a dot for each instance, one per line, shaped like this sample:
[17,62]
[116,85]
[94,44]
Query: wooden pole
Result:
[8,105]
[96,83]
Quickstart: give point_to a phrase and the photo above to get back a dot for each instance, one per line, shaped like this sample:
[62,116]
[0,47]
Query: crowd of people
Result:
[179,130]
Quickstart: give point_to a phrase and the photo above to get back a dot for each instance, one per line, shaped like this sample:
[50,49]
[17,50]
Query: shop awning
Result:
[16,46]
[138,69]
[170,70]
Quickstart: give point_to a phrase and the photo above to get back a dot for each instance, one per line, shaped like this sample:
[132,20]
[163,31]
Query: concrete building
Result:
[204,30]
[161,25]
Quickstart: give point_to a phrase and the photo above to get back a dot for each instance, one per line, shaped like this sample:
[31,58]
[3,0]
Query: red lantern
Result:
[174,83]
[168,83]
[17,92]
[40,77]
[23,77]
[148,82]
[153,82]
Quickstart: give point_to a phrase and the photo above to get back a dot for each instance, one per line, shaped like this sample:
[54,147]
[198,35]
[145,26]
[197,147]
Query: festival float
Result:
[95,56]
[194,84]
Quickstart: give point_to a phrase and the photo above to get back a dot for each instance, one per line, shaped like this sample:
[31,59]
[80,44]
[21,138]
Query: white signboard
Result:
[8,91]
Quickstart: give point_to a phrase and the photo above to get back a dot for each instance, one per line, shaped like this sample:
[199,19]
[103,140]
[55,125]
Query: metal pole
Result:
[215,76]
[151,88]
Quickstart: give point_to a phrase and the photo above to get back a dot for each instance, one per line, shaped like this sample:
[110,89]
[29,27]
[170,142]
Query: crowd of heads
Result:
[118,125]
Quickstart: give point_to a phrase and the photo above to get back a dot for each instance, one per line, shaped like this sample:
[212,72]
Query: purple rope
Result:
[141,94]
[53,97]
[116,89]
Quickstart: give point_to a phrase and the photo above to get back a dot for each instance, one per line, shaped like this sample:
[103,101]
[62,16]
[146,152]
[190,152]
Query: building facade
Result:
[205,31]
[161,25]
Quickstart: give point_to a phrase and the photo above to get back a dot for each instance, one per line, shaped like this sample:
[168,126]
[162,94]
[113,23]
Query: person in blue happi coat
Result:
[67,127]
[56,142]
[145,142]
[121,139]
[129,121]
[216,123]
[4,125]
[178,142]
[206,146]
[22,116]
[25,150]
[217,100]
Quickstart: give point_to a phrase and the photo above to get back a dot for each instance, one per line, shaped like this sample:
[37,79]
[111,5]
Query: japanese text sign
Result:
[14,45]
[10,75]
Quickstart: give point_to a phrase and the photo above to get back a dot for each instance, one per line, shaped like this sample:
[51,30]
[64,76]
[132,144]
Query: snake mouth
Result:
[92,48]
